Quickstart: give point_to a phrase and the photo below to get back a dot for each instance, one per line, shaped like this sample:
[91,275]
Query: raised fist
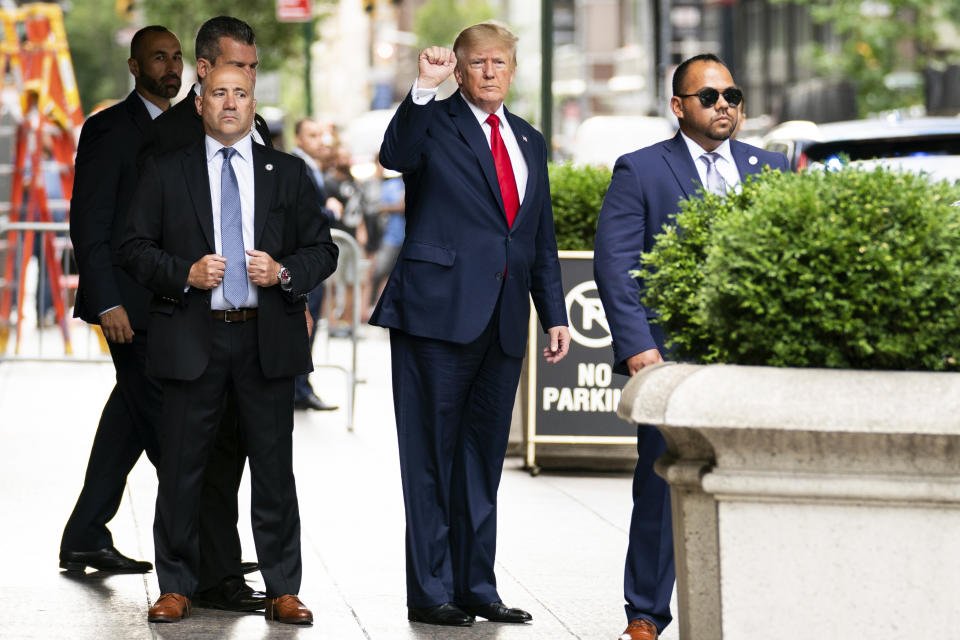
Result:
[436,65]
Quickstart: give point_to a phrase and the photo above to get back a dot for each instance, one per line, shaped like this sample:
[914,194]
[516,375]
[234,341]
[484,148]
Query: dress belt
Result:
[234,315]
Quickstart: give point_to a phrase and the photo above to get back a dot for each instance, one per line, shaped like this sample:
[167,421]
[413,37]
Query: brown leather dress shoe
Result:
[288,609]
[170,607]
[640,629]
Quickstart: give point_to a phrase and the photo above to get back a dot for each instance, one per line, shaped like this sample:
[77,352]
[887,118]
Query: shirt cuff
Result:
[422,96]
[116,306]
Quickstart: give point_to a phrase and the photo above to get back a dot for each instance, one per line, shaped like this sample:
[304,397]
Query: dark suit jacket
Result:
[180,126]
[646,187]
[171,227]
[458,252]
[106,177]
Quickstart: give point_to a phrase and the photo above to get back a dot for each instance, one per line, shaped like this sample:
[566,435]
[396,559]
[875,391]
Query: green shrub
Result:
[577,194]
[848,268]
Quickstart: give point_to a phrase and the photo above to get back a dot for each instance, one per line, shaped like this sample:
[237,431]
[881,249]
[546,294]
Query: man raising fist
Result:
[479,241]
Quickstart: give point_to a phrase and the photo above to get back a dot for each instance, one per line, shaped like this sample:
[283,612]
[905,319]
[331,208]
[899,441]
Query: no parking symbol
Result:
[588,324]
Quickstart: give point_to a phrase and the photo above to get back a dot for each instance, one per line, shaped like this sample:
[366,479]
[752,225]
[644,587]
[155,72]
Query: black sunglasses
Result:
[709,96]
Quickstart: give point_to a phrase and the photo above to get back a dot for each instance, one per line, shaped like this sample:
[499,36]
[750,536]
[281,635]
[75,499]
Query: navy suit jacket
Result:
[171,227]
[643,196]
[458,252]
[106,177]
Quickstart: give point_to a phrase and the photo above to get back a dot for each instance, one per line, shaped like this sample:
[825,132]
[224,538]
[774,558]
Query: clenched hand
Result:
[436,65]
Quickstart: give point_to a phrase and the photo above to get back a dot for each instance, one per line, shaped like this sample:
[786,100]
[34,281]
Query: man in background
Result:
[106,176]
[308,135]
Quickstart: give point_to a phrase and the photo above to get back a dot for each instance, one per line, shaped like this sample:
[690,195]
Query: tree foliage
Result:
[879,38]
[277,42]
[438,22]
[577,195]
[99,63]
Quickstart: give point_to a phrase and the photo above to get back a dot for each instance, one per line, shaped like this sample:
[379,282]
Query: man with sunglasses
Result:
[643,196]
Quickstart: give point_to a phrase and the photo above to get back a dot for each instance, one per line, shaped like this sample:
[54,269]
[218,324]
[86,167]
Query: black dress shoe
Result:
[498,612]
[312,401]
[248,567]
[447,614]
[232,594]
[106,559]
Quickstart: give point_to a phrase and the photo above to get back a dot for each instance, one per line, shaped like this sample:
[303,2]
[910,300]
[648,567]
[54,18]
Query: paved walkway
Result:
[562,537]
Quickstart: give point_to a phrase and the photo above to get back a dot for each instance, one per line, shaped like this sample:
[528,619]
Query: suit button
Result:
[509,238]
[499,276]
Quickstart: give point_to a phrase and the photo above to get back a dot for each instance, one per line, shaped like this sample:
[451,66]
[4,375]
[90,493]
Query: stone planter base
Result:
[809,503]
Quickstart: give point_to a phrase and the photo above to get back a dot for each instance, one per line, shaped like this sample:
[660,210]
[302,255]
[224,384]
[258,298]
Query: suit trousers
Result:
[649,571]
[453,405]
[127,428]
[303,389]
[191,412]
[219,538]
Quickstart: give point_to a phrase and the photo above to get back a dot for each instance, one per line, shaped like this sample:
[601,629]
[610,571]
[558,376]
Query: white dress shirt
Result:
[242,162]
[152,109]
[725,164]
[517,161]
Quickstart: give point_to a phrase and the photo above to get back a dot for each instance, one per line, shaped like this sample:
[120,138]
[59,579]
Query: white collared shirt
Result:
[725,163]
[152,109]
[517,161]
[242,162]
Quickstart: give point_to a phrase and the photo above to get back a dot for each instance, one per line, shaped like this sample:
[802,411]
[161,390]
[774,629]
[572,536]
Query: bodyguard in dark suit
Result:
[106,176]
[228,236]
[479,241]
[223,40]
[220,40]
[643,196]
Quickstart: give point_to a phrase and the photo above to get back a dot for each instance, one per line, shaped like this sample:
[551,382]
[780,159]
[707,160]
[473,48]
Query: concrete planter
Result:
[809,502]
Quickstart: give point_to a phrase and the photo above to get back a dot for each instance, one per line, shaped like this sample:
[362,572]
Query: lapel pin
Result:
[269,167]
[752,160]
[524,138]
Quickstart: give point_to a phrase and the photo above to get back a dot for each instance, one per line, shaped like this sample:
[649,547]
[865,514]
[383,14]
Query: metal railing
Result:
[349,274]
[17,342]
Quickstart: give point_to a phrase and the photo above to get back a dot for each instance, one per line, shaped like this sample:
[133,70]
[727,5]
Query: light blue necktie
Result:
[715,182]
[231,234]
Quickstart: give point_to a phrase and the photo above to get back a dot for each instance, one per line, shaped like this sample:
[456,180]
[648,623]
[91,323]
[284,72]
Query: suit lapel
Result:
[677,157]
[264,184]
[472,132]
[747,161]
[194,162]
[519,128]
[138,112]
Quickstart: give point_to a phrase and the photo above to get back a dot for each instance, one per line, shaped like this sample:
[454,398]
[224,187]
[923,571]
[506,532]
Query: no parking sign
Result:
[575,400]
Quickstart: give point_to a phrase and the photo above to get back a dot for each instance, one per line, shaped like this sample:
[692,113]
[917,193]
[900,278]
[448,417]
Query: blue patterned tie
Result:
[231,234]
[715,182]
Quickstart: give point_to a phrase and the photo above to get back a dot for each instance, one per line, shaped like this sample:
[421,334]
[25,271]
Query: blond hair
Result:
[490,33]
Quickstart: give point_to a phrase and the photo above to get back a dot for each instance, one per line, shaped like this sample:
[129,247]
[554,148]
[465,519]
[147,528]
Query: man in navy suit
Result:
[479,241]
[643,196]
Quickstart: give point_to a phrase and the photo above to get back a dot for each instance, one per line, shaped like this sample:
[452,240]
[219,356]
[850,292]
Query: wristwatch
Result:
[286,280]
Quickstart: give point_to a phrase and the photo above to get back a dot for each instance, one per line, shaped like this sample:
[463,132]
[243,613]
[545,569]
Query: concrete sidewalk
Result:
[562,537]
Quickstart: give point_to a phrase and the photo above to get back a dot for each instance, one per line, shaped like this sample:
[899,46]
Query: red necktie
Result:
[501,160]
